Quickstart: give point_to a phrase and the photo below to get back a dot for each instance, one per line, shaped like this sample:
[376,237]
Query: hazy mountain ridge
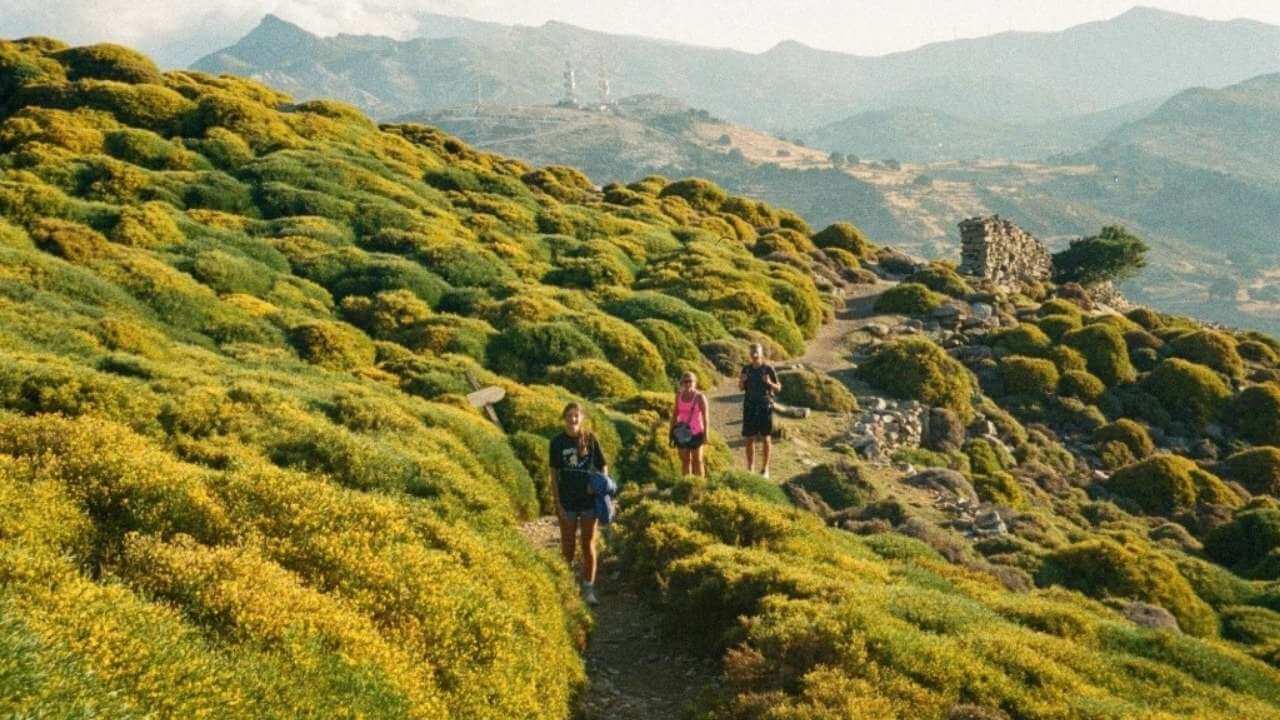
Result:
[1012,77]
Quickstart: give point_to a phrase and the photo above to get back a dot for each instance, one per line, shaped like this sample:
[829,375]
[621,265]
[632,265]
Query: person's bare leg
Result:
[764,456]
[588,538]
[695,456]
[751,454]
[686,462]
[567,530]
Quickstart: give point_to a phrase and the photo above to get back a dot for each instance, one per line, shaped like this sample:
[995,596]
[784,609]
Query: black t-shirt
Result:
[757,392]
[573,472]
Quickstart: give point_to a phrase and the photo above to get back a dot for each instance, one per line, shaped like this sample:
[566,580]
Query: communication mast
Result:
[570,97]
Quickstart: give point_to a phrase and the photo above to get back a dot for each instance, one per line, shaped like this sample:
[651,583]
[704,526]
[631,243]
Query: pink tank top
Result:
[687,412]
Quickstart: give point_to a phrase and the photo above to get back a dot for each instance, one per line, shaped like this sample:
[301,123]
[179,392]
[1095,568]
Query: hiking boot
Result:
[589,594]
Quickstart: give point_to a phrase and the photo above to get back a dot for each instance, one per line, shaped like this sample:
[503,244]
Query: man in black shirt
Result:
[759,383]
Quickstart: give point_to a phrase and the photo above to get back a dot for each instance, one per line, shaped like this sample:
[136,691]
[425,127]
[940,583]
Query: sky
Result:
[178,32]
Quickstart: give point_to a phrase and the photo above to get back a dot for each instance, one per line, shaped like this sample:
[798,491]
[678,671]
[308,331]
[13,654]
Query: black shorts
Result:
[757,420]
[695,442]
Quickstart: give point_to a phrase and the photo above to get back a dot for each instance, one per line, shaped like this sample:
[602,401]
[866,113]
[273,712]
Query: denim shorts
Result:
[574,515]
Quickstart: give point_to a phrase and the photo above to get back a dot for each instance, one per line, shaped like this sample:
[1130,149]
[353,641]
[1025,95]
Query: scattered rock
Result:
[943,430]
[945,481]
[1150,616]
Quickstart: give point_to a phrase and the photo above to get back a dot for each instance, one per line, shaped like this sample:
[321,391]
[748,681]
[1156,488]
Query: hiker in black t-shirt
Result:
[575,454]
[759,383]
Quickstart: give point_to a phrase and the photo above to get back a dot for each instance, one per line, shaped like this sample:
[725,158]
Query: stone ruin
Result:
[994,249]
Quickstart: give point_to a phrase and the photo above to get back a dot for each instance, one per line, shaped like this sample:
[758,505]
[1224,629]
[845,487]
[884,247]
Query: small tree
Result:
[1113,254]
[837,159]
[725,139]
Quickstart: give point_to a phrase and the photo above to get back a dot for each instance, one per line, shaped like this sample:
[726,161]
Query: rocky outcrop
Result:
[996,250]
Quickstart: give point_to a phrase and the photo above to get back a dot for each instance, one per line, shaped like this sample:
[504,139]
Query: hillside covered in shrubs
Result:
[239,475]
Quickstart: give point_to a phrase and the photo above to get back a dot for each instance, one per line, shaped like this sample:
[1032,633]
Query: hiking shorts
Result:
[757,420]
[576,515]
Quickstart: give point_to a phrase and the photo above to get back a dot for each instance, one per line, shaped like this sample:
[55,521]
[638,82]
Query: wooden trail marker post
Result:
[485,397]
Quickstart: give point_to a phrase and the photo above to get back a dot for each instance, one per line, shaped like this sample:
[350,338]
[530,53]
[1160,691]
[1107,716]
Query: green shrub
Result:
[909,299]
[1028,376]
[844,236]
[337,346]
[840,485]
[1146,317]
[1251,625]
[1192,393]
[1258,352]
[1164,484]
[1244,542]
[1255,414]
[1113,254]
[818,391]
[592,379]
[1211,349]
[698,325]
[986,458]
[1103,567]
[1105,352]
[749,483]
[999,488]
[1257,469]
[1081,385]
[109,62]
[526,351]
[1055,326]
[701,194]
[1133,435]
[1059,306]
[1025,339]
[917,369]
[942,279]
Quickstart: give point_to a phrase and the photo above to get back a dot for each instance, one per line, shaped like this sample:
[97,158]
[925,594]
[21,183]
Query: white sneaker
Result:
[589,595]
[765,473]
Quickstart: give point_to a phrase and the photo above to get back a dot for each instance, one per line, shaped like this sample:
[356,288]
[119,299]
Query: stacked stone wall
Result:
[994,249]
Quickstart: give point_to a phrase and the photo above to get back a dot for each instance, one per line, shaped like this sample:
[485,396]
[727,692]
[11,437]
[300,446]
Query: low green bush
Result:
[1211,349]
[1146,317]
[844,236]
[1192,393]
[1105,568]
[1132,434]
[593,379]
[332,345]
[1255,414]
[999,488]
[818,391]
[1257,469]
[1165,484]
[839,485]
[1024,339]
[1244,542]
[526,351]
[1105,352]
[909,299]
[1258,352]
[1081,385]
[917,369]
[1028,376]
[1055,326]
[1059,306]
[941,278]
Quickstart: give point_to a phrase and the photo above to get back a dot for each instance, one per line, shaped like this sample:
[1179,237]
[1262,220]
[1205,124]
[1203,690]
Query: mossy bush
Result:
[1257,469]
[1082,385]
[1024,339]
[1258,352]
[1211,349]
[1055,326]
[592,379]
[1164,484]
[1105,352]
[1132,434]
[1146,317]
[999,488]
[1194,394]
[1255,414]
[839,485]
[1104,567]
[528,350]
[844,236]
[815,390]
[1022,375]
[700,194]
[909,298]
[1244,543]
[918,369]
[941,278]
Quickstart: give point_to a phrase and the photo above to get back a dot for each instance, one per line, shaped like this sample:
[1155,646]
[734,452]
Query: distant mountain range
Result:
[1010,78]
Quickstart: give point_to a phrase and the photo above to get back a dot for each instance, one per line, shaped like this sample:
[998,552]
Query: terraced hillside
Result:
[239,476]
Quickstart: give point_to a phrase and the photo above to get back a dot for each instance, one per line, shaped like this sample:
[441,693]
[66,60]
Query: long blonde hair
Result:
[584,435]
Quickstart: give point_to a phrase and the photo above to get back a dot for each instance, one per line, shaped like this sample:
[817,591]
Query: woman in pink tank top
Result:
[689,425]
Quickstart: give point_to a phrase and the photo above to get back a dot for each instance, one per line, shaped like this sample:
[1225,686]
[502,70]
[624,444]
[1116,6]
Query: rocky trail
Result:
[635,669]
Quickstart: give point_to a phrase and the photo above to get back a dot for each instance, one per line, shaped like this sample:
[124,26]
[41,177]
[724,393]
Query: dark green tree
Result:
[1113,254]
